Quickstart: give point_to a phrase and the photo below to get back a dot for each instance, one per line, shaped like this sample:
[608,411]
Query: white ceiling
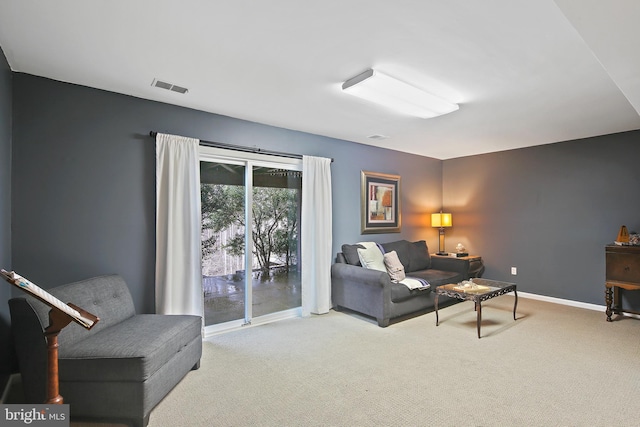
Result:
[525,72]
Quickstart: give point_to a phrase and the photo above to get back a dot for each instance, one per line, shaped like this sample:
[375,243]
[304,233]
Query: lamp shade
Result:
[441,220]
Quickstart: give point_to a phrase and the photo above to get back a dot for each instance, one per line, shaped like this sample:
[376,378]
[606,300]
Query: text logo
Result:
[34,415]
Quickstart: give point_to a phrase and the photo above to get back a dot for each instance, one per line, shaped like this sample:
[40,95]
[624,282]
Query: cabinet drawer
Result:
[624,267]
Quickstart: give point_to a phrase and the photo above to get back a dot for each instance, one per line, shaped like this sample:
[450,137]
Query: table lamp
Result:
[441,220]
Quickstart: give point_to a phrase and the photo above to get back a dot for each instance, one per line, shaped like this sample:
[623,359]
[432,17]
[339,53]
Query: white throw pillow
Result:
[394,266]
[371,256]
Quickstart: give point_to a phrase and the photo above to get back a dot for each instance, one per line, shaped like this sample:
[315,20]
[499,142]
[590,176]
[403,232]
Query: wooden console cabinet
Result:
[476,266]
[622,271]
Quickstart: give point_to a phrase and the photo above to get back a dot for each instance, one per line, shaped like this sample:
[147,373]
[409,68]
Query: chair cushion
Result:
[129,351]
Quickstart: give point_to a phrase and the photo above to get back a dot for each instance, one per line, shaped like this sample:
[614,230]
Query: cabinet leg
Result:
[608,299]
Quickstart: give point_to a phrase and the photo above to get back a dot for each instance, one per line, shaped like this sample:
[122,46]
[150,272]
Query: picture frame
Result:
[380,203]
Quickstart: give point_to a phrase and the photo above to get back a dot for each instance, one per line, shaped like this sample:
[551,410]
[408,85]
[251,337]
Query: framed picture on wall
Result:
[380,202]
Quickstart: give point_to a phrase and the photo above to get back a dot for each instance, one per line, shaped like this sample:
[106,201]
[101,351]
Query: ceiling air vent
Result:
[169,86]
[377,136]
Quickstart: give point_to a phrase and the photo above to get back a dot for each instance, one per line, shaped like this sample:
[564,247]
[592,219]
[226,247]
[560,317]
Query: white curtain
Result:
[178,217]
[316,235]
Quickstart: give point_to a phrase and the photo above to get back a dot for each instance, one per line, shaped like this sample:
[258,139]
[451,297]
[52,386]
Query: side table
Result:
[476,267]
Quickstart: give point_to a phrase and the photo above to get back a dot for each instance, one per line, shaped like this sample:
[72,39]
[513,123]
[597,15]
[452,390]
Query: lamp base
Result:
[442,253]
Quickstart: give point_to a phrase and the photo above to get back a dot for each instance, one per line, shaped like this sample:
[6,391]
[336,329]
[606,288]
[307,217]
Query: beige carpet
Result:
[554,366]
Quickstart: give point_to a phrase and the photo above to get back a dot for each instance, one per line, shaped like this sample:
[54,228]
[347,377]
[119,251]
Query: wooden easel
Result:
[60,315]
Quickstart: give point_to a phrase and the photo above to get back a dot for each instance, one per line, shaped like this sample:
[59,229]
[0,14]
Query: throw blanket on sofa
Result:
[415,283]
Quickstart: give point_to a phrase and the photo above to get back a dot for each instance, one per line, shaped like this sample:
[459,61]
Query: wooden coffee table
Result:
[480,290]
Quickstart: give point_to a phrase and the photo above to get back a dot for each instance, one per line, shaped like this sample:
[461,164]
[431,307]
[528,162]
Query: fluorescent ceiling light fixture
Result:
[382,89]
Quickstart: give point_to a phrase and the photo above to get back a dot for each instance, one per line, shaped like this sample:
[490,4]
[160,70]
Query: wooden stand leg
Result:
[53,392]
[57,321]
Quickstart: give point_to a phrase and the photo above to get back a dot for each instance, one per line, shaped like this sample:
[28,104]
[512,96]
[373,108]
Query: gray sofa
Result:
[121,368]
[371,292]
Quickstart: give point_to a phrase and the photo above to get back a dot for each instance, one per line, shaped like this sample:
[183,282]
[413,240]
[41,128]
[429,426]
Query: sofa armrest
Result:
[451,264]
[361,289]
[366,276]
[31,349]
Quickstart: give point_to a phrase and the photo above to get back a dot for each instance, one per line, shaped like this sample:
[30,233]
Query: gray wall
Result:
[84,180]
[547,210]
[83,185]
[5,211]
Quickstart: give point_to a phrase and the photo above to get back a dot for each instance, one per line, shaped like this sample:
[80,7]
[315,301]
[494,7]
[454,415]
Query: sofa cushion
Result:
[371,256]
[350,253]
[401,247]
[400,292]
[130,351]
[394,267]
[438,277]
[419,258]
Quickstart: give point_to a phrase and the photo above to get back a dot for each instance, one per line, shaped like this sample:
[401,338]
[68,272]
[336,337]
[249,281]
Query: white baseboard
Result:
[571,303]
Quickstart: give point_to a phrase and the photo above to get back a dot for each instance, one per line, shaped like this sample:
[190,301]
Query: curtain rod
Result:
[256,150]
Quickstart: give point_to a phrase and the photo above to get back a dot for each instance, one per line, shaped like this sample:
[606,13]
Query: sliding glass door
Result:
[250,238]
[222,190]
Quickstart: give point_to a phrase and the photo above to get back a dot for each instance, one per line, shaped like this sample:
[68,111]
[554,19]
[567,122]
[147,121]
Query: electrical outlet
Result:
[514,271]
